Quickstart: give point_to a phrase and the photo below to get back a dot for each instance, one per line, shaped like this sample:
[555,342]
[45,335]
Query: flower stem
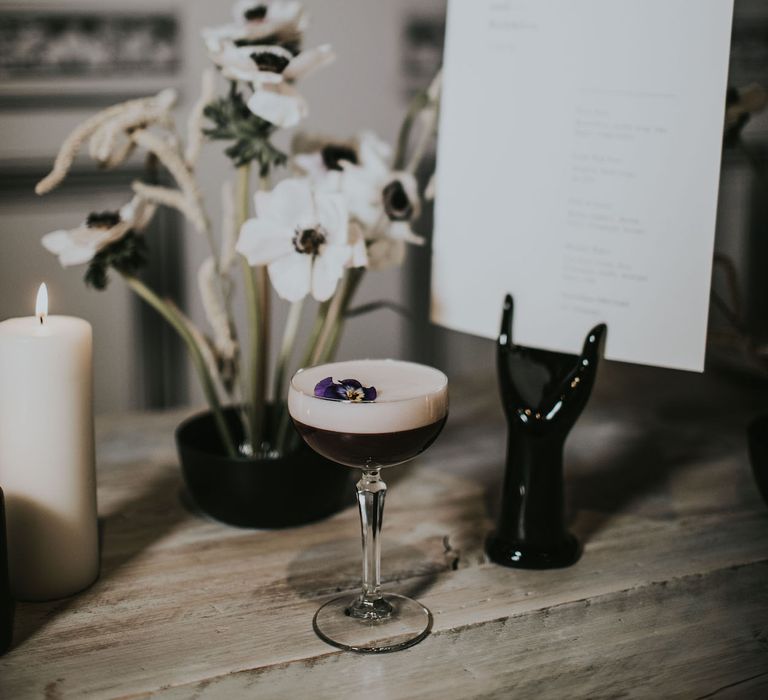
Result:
[355,277]
[169,314]
[429,98]
[331,318]
[418,103]
[289,340]
[322,313]
[253,304]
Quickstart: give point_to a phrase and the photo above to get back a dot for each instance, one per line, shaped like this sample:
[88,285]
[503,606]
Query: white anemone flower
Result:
[80,245]
[272,71]
[303,237]
[266,22]
[383,201]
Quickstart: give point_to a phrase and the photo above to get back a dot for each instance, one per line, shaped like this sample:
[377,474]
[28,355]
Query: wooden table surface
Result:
[670,598]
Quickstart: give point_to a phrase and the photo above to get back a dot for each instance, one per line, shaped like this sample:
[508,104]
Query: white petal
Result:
[289,203]
[359,253]
[240,8]
[331,214]
[279,14]
[73,247]
[431,190]
[249,74]
[57,242]
[236,63]
[77,256]
[374,153]
[362,193]
[401,231]
[291,276]
[278,104]
[216,38]
[263,240]
[328,269]
[311,164]
[308,62]
[330,182]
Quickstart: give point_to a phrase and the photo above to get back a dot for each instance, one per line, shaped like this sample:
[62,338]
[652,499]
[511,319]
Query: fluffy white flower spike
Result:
[108,131]
[80,245]
[302,236]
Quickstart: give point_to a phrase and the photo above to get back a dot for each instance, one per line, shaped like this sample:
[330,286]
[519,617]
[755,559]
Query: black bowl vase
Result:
[298,488]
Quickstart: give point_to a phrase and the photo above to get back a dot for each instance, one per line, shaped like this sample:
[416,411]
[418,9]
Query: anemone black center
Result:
[396,202]
[255,13]
[270,62]
[283,40]
[333,154]
[308,240]
[104,219]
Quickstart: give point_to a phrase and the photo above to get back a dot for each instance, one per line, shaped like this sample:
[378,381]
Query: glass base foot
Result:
[402,623]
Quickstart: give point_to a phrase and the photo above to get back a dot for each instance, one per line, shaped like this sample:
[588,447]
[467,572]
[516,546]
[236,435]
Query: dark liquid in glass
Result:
[372,450]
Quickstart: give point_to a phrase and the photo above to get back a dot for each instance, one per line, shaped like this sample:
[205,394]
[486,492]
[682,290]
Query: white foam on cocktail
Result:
[409,396]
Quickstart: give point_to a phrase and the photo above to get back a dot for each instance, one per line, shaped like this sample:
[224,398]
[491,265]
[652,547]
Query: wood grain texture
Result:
[669,599]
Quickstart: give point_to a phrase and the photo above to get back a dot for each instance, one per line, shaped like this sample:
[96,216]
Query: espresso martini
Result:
[404,419]
[370,414]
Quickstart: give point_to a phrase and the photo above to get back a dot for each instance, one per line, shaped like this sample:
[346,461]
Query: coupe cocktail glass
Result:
[406,417]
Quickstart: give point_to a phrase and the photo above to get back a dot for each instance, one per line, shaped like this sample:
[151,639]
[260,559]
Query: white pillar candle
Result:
[47,455]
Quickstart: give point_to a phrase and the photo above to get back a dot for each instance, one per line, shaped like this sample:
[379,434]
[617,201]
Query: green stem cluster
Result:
[257,303]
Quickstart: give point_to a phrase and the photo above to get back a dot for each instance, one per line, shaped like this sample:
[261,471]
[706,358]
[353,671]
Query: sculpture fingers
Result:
[593,343]
[510,397]
[505,332]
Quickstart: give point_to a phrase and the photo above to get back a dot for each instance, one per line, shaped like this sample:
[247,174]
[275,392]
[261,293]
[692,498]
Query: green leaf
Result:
[250,135]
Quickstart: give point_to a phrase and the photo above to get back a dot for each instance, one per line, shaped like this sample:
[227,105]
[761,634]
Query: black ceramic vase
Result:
[543,394]
[6,602]
[299,488]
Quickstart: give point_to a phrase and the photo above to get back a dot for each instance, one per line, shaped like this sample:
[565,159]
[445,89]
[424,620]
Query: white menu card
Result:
[578,164]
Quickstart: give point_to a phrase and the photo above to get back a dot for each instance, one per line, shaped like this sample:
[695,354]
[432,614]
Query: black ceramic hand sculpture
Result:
[543,394]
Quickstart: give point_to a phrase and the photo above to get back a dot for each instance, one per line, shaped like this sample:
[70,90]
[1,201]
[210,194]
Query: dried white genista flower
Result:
[106,128]
[195,136]
[228,227]
[167,152]
[216,309]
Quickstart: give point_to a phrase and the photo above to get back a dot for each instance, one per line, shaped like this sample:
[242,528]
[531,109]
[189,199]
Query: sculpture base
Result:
[522,555]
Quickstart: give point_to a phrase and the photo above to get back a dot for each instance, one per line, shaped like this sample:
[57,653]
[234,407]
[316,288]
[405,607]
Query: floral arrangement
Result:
[345,206]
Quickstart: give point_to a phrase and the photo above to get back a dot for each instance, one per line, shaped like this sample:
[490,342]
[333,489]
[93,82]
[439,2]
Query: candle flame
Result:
[41,305]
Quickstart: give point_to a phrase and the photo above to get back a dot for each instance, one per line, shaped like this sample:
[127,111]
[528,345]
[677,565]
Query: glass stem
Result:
[371,491]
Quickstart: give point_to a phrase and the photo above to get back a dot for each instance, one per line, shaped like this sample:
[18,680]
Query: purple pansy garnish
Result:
[345,390]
